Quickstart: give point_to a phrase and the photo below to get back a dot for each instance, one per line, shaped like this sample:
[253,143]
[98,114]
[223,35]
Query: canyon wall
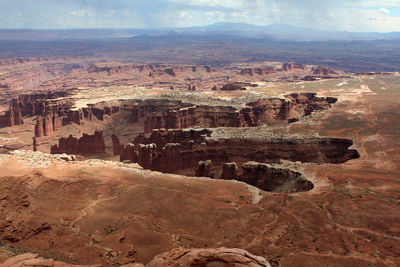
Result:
[175,150]
[264,111]
[190,152]
[269,70]
[87,144]
[53,110]
[148,70]
[11,117]
[266,177]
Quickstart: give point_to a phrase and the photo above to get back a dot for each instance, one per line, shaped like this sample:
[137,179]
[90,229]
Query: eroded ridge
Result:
[193,153]
[54,110]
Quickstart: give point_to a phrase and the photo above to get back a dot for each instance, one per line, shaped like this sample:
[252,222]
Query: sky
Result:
[337,15]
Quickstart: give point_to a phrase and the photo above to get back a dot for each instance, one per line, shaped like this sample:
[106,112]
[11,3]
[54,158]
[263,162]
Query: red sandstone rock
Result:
[129,153]
[204,169]
[39,127]
[167,159]
[174,150]
[11,117]
[264,111]
[87,144]
[117,147]
[47,124]
[292,66]
[258,71]
[229,171]
[218,257]
[177,257]
[146,154]
[149,70]
[34,143]
[325,71]
[273,179]
[53,113]
[233,87]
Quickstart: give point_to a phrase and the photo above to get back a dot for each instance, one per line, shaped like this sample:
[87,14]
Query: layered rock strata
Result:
[266,177]
[87,144]
[270,70]
[264,111]
[192,153]
[149,70]
[11,117]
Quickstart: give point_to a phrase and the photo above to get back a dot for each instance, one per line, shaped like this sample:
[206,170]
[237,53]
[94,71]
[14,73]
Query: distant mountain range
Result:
[289,32]
[281,32]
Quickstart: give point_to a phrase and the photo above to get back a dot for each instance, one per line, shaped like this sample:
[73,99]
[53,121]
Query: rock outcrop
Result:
[87,144]
[204,169]
[266,177]
[208,257]
[175,258]
[269,70]
[117,147]
[237,86]
[292,66]
[173,151]
[53,110]
[324,71]
[51,122]
[33,260]
[265,111]
[258,71]
[11,117]
[151,70]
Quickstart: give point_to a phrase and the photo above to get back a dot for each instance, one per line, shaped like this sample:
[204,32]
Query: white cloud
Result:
[384,10]
[365,20]
[79,13]
[375,3]
[350,15]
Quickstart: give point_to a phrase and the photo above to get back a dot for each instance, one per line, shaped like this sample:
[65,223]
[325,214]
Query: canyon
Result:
[120,163]
[170,149]
[190,153]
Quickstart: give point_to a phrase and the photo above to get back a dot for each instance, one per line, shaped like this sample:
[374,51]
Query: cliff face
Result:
[269,70]
[267,178]
[39,104]
[117,147]
[173,151]
[11,117]
[87,144]
[148,70]
[292,66]
[325,71]
[162,150]
[258,71]
[55,115]
[53,111]
[264,111]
